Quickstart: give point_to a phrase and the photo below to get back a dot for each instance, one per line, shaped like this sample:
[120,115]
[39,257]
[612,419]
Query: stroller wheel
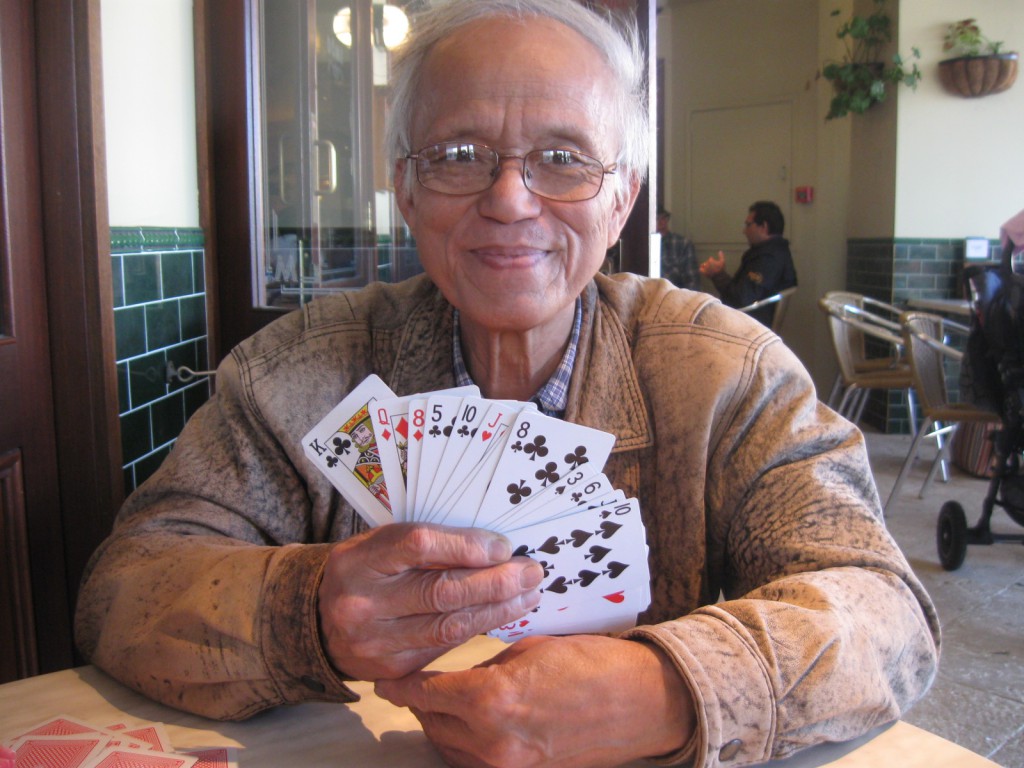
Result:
[952,535]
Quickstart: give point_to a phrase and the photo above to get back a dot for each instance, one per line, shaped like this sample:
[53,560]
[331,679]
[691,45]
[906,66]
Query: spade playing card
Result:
[454,458]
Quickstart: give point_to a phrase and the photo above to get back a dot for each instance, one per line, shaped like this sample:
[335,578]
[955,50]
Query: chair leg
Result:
[849,398]
[865,395]
[941,456]
[907,462]
[836,393]
[912,410]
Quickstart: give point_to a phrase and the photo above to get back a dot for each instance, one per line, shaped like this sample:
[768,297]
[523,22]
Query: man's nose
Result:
[508,198]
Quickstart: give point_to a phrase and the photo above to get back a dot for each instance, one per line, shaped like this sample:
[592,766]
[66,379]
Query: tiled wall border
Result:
[159,317]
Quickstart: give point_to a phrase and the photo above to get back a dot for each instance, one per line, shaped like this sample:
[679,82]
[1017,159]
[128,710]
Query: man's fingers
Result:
[402,546]
[442,591]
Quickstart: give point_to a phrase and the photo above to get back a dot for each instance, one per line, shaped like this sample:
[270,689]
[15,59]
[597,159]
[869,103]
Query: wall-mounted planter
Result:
[972,76]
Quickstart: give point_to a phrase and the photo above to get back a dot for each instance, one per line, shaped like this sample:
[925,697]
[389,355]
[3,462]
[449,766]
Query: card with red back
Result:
[214,757]
[125,757]
[58,751]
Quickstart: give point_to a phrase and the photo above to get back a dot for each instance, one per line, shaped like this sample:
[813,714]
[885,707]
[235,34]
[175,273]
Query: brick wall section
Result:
[159,317]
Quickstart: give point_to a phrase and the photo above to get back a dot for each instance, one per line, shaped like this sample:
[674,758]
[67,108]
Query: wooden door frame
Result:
[29,498]
[80,304]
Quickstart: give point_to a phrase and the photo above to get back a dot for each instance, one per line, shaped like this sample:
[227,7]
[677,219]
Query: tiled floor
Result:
[978,699]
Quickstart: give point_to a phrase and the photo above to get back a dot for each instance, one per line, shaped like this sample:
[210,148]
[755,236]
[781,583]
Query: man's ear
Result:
[622,204]
[403,194]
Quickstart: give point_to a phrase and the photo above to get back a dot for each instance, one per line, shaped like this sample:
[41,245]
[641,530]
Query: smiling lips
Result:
[509,256]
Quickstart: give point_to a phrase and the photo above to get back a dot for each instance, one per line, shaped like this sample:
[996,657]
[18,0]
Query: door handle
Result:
[328,185]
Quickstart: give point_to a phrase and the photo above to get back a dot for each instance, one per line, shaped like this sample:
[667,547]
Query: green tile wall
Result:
[159,317]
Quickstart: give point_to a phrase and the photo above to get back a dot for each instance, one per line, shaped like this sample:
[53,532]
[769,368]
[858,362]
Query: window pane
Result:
[328,218]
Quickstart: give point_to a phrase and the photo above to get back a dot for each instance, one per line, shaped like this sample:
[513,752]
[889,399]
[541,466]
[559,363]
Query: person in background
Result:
[237,579]
[678,256]
[766,267]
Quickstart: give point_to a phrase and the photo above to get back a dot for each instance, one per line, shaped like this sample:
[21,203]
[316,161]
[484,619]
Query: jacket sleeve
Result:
[193,600]
[823,631]
[758,278]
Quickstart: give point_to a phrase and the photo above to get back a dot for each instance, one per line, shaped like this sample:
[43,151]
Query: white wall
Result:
[960,162]
[149,103]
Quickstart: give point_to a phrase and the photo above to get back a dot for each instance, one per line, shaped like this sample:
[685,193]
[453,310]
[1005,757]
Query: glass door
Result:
[326,218]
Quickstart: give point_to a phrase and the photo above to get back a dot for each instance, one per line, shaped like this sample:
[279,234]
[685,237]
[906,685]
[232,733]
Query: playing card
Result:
[418,422]
[58,751]
[344,448]
[125,757]
[610,613]
[576,489]
[394,430]
[539,451]
[441,411]
[214,757]
[593,560]
[469,417]
[152,735]
[468,483]
[62,725]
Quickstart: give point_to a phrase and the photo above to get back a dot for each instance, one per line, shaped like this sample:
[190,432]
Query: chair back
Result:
[926,360]
[780,311]
[780,299]
[844,342]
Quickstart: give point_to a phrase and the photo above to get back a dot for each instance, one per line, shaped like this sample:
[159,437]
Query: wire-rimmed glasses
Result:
[461,168]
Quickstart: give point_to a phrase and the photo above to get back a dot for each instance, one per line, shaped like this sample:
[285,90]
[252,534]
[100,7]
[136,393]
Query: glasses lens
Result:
[456,169]
[563,174]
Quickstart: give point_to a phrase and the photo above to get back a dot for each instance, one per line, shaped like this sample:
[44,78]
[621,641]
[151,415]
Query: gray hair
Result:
[615,36]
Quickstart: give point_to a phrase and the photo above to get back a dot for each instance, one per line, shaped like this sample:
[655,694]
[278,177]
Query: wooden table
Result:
[372,732]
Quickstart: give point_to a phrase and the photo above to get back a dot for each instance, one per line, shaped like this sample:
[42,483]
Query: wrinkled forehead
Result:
[536,76]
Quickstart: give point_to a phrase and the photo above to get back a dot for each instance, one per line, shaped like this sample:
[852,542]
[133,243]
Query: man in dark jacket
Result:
[765,269]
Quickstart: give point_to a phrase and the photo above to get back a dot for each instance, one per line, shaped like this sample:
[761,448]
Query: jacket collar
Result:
[605,392]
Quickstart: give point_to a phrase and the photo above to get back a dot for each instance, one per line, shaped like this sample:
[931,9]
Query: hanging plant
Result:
[861,79]
[979,67]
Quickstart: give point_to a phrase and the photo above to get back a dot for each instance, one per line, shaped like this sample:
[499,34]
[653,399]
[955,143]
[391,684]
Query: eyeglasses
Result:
[454,168]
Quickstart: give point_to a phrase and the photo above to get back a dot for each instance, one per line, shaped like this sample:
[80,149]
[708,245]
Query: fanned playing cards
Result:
[454,458]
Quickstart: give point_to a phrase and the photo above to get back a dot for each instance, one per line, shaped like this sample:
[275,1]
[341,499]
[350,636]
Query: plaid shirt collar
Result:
[553,397]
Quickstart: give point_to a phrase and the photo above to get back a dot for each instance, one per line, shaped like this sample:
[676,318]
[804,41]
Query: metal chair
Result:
[871,310]
[781,299]
[925,338]
[850,325]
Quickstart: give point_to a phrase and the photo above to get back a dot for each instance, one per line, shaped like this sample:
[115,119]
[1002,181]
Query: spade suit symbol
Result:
[551,546]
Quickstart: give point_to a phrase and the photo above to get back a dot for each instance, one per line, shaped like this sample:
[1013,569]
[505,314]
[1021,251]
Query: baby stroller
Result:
[992,376]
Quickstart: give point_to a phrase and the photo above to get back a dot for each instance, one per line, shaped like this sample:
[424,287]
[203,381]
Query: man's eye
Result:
[562,159]
[465,153]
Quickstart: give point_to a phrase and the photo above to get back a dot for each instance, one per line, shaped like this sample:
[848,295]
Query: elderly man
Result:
[236,579]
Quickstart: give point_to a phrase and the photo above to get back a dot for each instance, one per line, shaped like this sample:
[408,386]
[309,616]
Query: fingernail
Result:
[531,576]
[499,549]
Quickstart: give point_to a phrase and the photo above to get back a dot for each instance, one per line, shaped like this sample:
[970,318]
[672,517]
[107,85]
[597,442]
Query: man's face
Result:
[507,258]
[754,232]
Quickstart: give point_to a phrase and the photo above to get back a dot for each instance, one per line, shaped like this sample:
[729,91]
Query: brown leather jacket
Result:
[770,562]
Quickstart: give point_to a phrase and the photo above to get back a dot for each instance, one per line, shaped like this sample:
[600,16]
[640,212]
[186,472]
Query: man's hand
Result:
[574,701]
[395,598]
[713,266]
